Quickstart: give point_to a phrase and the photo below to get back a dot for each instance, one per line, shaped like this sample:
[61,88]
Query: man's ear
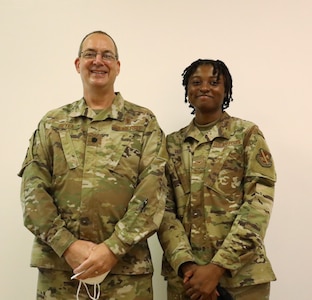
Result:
[118,68]
[77,64]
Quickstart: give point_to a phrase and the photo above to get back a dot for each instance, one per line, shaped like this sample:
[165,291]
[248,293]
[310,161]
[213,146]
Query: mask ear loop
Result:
[96,286]
[96,290]
[78,290]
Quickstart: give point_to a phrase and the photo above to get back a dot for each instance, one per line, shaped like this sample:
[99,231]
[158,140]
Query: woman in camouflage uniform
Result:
[221,195]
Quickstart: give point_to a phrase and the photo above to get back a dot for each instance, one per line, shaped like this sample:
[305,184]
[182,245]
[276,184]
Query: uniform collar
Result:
[115,111]
[220,129]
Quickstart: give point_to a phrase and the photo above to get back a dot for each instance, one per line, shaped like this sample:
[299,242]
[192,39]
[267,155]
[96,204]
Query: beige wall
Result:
[267,47]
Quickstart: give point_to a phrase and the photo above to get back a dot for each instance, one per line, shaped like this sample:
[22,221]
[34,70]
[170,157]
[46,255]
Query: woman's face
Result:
[206,92]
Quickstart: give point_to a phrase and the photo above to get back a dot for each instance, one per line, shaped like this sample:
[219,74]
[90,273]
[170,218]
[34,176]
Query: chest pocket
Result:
[69,149]
[62,148]
[225,168]
[121,150]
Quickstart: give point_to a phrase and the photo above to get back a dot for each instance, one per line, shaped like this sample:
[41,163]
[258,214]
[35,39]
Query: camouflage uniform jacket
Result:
[222,193]
[96,177]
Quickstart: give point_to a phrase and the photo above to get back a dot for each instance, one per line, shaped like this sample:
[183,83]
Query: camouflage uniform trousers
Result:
[175,291]
[57,285]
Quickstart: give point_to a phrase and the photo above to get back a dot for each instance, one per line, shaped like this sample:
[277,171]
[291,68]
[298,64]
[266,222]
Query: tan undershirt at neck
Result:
[205,127]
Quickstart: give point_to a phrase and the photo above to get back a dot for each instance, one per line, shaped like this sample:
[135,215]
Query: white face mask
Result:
[95,281]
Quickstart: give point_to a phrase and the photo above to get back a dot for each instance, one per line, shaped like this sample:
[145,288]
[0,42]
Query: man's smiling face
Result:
[97,72]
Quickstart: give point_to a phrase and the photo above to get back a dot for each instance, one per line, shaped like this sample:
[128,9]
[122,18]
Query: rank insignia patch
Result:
[264,158]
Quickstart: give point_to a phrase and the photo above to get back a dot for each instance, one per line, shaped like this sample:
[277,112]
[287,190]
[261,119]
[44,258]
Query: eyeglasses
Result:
[90,54]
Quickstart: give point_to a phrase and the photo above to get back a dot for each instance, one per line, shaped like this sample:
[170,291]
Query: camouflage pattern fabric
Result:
[222,188]
[254,292]
[175,291]
[96,177]
[57,285]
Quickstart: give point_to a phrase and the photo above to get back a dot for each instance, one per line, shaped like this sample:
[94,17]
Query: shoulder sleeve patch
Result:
[264,158]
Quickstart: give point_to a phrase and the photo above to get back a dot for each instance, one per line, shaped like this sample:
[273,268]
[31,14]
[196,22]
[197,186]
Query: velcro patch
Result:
[264,158]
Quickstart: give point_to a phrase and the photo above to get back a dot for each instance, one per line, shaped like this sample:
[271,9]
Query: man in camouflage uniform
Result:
[222,186]
[93,186]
